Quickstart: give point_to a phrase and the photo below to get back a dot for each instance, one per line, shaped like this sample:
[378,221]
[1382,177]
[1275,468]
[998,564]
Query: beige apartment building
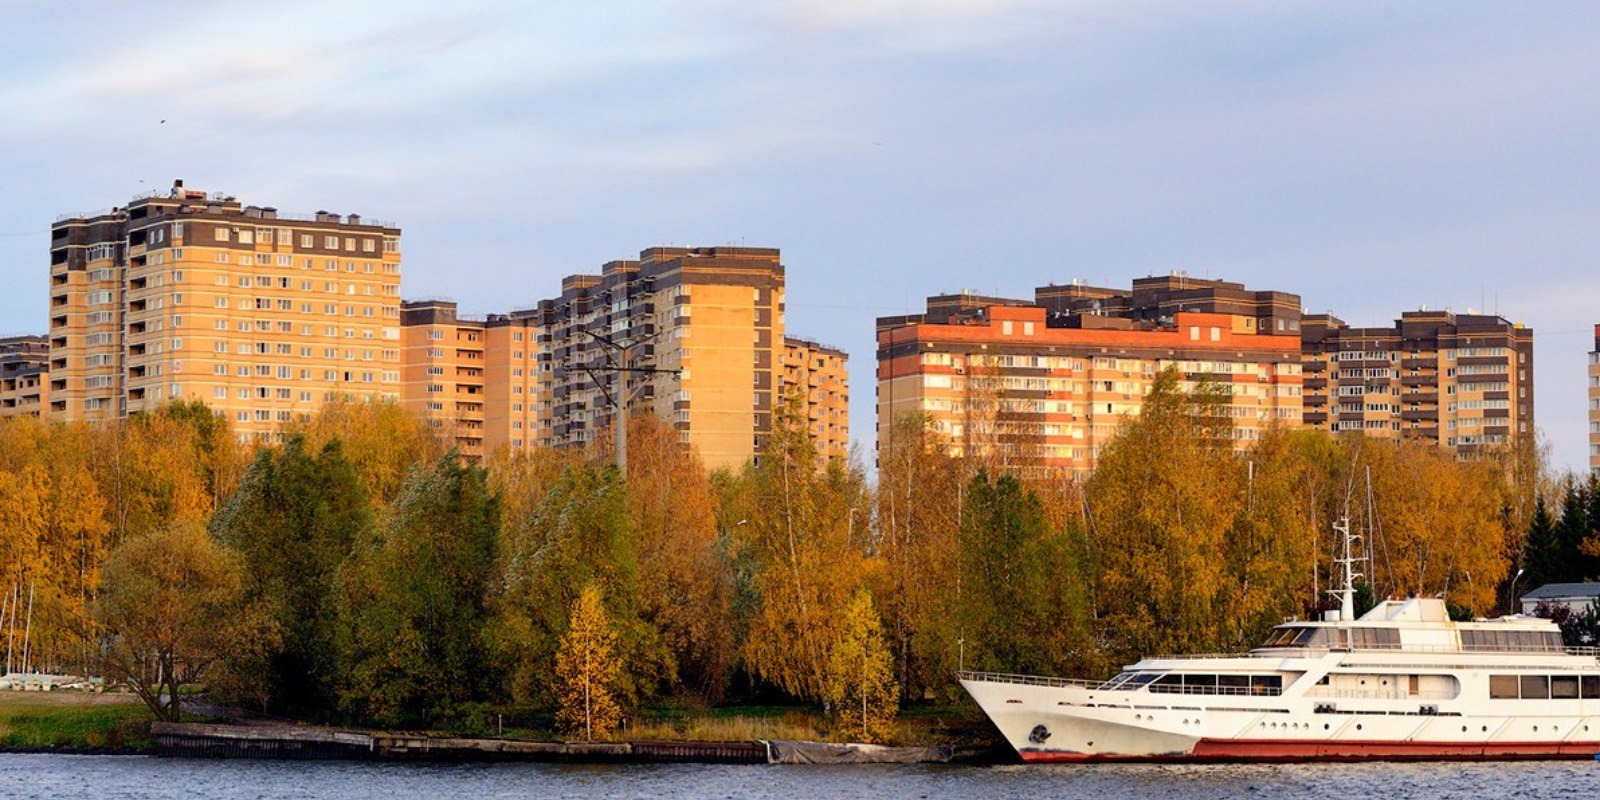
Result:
[1461,380]
[189,295]
[473,378]
[819,376]
[693,335]
[24,376]
[1594,404]
[1043,385]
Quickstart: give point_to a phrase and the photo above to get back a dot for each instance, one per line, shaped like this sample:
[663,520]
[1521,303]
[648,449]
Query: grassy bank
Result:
[73,721]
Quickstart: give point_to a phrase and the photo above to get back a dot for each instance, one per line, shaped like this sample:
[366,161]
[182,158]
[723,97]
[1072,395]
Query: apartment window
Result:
[369,246]
[307,242]
[1194,333]
[330,242]
[222,258]
[222,234]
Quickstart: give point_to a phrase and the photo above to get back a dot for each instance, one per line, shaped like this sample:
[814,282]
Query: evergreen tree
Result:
[1543,555]
[586,670]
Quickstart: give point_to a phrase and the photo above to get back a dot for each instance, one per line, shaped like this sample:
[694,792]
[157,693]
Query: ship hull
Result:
[1079,724]
[1291,751]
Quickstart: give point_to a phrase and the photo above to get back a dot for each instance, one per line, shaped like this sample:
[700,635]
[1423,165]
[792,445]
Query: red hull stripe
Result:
[1297,750]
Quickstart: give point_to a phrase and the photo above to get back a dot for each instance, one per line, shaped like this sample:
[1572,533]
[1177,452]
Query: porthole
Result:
[1358,726]
[1325,726]
[1486,729]
[1091,744]
[1536,729]
[1463,729]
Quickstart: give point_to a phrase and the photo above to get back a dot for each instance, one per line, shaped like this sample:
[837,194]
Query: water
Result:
[26,777]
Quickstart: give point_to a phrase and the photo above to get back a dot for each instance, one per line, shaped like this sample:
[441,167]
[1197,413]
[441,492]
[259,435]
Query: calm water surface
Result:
[25,777]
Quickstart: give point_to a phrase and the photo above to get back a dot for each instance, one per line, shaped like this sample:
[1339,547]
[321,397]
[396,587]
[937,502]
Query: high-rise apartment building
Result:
[185,295]
[1044,384]
[693,335]
[1594,404]
[475,379]
[819,377]
[1461,380]
[24,378]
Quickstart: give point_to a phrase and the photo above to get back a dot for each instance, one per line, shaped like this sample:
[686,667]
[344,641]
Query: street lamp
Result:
[1512,592]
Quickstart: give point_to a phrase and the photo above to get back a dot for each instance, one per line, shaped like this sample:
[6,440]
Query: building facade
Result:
[1046,383]
[474,379]
[818,375]
[1463,381]
[1594,404]
[185,295]
[693,335]
[24,376]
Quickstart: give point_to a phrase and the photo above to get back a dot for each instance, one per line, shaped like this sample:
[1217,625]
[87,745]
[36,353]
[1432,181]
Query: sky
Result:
[1371,157]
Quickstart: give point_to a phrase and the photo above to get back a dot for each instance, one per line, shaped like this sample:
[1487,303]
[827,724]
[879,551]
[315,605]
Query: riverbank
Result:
[297,742]
[74,722]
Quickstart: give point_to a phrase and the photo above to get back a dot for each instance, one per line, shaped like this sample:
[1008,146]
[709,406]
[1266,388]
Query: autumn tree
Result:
[1439,529]
[684,585]
[381,440]
[172,609]
[1162,500]
[295,519]
[917,547]
[580,534]
[1271,542]
[860,675]
[801,535]
[412,603]
[586,670]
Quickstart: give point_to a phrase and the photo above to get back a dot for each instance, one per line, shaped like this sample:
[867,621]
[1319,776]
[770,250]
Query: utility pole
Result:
[619,360]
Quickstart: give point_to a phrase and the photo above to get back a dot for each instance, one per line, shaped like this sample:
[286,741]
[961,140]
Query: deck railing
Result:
[1027,680]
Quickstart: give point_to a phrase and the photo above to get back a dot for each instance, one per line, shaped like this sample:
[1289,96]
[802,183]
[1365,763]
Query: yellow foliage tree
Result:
[1162,501]
[586,670]
[683,588]
[381,439]
[861,685]
[174,607]
[1438,525]
[800,532]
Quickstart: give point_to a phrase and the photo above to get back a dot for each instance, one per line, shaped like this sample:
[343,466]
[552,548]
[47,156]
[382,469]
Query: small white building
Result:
[1576,596]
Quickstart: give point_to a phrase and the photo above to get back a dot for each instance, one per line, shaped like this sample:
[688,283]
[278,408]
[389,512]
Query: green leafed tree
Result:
[294,520]
[412,614]
[586,670]
[580,533]
[1022,592]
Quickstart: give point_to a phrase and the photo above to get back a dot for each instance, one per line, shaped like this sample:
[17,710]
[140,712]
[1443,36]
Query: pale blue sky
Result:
[1370,157]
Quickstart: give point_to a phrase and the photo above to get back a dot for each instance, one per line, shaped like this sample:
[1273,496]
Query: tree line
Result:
[360,572]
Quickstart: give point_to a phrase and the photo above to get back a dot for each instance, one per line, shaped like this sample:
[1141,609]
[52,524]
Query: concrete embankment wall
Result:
[293,742]
[198,740]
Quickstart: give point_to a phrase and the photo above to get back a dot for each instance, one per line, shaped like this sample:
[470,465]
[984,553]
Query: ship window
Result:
[1535,687]
[1503,687]
[1266,684]
[1375,638]
[1591,687]
[1563,686]
[1233,681]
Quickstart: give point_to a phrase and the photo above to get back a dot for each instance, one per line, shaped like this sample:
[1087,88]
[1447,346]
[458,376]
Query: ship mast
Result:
[1347,593]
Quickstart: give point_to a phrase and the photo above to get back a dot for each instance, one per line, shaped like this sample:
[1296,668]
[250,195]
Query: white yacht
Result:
[1401,682]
